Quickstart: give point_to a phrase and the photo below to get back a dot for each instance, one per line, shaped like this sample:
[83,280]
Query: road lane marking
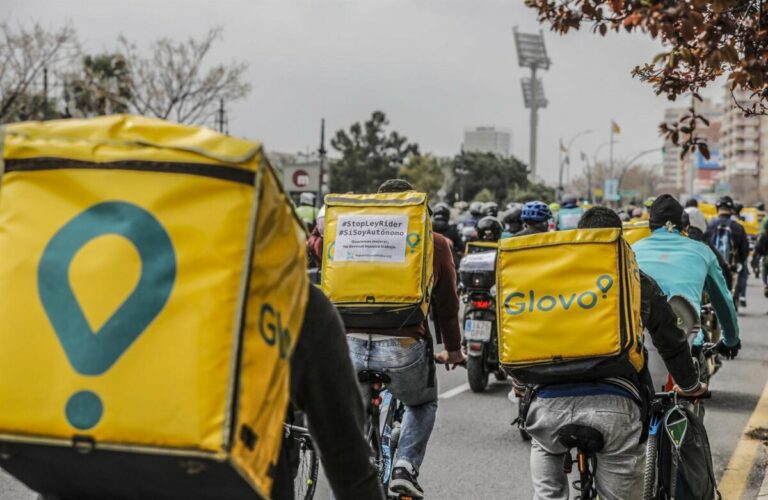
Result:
[454,392]
[737,471]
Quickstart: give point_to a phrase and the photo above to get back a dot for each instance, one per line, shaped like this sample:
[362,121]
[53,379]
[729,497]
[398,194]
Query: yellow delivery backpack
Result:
[636,231]
[154,288]
[569,306]
[377,258]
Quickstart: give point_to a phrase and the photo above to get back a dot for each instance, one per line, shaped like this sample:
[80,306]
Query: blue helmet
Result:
[536,211]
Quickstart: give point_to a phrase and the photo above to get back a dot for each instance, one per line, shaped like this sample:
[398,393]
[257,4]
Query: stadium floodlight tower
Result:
[532,54]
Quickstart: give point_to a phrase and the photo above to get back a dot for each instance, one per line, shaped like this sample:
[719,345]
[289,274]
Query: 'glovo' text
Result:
[518,303]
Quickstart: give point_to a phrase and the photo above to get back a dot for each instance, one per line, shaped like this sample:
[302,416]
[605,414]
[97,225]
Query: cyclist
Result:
[403,354]
[441,224]
[489,229]
[731,240]
[307,211]
[512,221]
[615,407]
[535,217]
[323,386]
[686,268]
[570,213]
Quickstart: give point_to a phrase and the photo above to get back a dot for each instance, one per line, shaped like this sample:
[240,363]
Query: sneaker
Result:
[403,483]
[743,302]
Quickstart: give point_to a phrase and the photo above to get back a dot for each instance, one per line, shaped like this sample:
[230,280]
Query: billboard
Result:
[712,164]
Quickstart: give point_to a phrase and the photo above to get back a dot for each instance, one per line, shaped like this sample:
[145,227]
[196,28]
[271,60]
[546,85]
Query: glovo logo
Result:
[518,303]
[331,250]
[92,353]
[272,331]
[413,240]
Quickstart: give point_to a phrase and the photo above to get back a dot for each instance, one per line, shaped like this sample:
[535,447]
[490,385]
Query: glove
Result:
[729,352]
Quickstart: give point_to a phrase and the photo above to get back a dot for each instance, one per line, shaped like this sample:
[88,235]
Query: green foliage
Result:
[102,87]
[370,155]
[484,195]
[534,191]
[488,171]
[426,173]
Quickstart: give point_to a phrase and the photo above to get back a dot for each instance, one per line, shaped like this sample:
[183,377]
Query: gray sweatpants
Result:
[619,474]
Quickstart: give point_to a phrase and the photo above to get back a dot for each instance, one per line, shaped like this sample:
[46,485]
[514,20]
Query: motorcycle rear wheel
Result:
[477,373]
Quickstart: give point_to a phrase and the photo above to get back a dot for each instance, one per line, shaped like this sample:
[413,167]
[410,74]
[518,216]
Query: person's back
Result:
[684,267]
[535,217]
[569,215]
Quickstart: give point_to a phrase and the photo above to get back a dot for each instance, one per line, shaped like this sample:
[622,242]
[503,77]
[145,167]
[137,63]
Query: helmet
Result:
[476,208]
[512,205]
[491,208]
[307,199]
[760,206]
[649,201]
[489,229]
[569,201]
[725,202]
[738,207]
[536,211]
[696,218]
[512,221]
[441,211]
[624,216]
[554,207]
[637,212]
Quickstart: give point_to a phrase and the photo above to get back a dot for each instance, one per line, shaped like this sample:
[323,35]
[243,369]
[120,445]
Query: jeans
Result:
[742,283]
[405,361]
[619,474]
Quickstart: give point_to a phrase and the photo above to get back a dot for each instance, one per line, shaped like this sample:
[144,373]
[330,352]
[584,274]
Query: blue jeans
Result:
[405,361]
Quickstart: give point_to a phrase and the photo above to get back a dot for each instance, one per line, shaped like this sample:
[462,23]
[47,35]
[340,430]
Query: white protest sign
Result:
[371,238]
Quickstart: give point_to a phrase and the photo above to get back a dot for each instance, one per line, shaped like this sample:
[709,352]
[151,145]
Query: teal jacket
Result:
[568,218]
[682,266]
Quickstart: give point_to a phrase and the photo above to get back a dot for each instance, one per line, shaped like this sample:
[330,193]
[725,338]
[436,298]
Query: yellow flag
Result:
[615,127]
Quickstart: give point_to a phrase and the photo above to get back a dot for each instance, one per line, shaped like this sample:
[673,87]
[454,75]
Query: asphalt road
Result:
[474,453]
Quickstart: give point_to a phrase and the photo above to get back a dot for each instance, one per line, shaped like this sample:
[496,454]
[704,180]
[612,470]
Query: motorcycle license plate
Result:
[475,329]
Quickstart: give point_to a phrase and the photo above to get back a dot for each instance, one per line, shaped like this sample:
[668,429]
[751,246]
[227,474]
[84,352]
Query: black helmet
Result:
[738,207]
[491,208]
[512,219]
[725,202]
[570,200]
[760,206]
[476,208]
[489,229]
[441,211]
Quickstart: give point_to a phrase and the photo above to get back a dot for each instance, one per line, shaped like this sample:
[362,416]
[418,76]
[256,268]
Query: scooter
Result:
[477,278]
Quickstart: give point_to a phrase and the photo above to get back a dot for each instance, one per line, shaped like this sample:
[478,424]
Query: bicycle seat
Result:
[373,376]
[688,318]
[585,438]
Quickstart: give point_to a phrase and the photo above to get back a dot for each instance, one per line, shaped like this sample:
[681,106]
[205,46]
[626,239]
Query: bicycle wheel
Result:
[305,480]
[649,475]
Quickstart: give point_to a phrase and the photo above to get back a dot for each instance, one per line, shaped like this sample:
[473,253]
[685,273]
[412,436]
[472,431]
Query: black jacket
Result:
[740,241]
[324,386]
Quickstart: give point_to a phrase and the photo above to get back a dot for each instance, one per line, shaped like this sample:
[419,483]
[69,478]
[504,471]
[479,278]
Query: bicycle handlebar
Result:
[673,395]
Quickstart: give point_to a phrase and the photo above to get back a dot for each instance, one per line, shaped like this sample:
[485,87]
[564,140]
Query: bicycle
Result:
[587,441]
[304,461]
[383,439]
[668,415]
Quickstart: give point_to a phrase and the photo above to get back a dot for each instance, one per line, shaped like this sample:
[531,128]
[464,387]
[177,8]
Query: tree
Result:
[476,171]
[370,155]
[172,82]
[703,40]
[426,173]
[534,191]
[103,86]
[24,55]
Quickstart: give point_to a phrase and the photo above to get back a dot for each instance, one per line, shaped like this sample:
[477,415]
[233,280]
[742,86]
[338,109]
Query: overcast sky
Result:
[434,66]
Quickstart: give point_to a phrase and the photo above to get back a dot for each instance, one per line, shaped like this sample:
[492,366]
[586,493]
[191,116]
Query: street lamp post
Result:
[567,159]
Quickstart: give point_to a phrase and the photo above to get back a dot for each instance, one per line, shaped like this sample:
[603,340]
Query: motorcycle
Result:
[477,278]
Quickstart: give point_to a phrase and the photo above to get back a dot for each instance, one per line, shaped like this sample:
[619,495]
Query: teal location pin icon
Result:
[93,353]
[413,240]
[604,283]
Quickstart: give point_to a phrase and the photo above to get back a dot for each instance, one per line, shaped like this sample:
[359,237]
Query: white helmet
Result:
[307,199]
[697,218]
